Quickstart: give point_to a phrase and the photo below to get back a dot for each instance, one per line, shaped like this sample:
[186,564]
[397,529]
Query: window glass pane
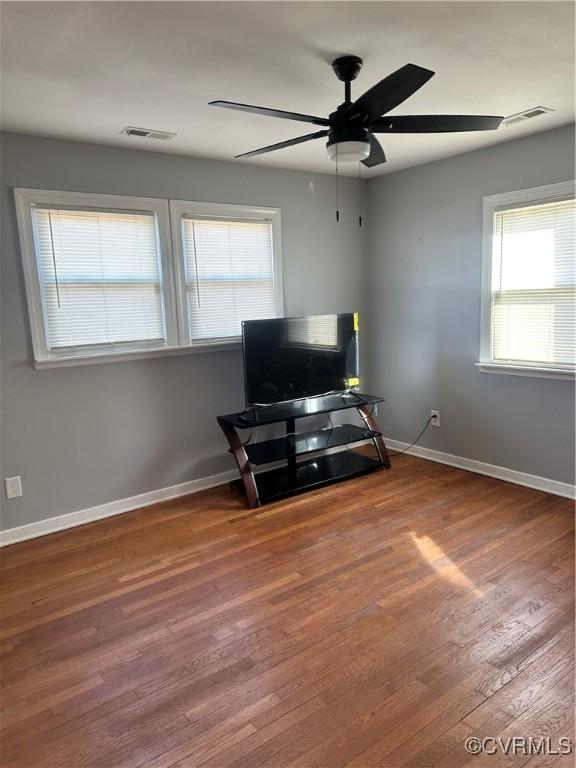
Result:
[229,270]
[534,285]
[100,278]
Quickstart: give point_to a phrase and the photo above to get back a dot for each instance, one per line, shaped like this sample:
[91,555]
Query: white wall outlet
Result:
[435,418]
[13,487]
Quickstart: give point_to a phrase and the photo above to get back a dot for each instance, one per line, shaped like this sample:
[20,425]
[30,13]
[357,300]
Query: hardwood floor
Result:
[379,622]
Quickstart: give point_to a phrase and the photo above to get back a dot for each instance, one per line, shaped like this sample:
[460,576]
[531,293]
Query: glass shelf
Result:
[322,470]
[307,442]
[298,409]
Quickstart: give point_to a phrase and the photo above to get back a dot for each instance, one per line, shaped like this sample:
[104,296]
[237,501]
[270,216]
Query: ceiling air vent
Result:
[527,114]
[146,133]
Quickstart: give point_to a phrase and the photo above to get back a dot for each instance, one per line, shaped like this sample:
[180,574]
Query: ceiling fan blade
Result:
[376,156]
[390,91]
[435,123]
[270,112]
[282,144]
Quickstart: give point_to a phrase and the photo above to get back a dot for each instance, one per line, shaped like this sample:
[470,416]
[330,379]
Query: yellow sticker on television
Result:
[356,321]
[353,381]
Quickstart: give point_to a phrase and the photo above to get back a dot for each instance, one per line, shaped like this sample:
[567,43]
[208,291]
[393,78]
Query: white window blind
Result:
[111,277]
[100,278]
[229,275]
[534,285]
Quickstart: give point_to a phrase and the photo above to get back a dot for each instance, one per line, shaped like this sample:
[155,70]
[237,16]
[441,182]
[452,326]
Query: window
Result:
[105,276]
[229,267]
[529,282]
[100,277]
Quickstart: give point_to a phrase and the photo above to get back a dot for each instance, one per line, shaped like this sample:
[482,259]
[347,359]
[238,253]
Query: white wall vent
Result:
[147,133]
[527,114]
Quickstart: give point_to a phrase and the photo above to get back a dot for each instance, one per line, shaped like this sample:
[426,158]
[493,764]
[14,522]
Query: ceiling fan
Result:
[351,128]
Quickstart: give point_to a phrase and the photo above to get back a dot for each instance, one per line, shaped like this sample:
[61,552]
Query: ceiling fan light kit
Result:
[351,127]
[348,151]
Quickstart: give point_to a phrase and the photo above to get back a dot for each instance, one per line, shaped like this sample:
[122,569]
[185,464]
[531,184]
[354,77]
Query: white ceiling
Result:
[85,70]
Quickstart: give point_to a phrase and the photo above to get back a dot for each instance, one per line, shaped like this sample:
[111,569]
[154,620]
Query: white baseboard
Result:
[492,470]
[71,520]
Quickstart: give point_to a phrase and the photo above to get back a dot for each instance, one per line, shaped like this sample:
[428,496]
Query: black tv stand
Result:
[324,463]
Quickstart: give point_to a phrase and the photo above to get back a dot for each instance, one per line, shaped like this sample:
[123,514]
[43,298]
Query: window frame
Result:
[181,208]
[171,253]
[493,203]
[25,200]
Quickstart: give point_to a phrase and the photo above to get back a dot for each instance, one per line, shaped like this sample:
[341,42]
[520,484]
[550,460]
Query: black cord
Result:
[399,453]
[350,393]
[348,449]
[373,410]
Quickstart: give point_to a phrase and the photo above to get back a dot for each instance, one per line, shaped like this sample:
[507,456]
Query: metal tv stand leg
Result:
[246,474]
[379,443]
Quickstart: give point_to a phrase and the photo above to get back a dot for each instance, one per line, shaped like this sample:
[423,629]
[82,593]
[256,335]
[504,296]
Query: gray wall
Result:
[91,434]
[424,267]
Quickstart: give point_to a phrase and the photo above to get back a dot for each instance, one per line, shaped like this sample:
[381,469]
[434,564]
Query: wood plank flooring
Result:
[375,623]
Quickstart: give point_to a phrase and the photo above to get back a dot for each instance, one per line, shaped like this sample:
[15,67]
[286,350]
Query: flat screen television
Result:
[292,358]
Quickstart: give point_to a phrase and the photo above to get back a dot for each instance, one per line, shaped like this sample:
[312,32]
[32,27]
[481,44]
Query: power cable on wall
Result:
[399,453]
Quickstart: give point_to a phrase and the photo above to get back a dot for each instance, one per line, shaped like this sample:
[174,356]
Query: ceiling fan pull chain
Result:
[337,195]
[360,194]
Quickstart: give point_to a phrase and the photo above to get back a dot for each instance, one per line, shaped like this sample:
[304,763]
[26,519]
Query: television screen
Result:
[297,357]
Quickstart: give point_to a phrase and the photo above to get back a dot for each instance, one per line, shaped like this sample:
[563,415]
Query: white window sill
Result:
[525,370]
[142,354]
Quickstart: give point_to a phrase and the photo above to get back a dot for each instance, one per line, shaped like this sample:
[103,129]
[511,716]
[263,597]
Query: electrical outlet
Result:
[435,418]
[13,487]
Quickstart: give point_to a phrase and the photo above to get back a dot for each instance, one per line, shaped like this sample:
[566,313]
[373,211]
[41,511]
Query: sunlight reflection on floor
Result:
[442,564]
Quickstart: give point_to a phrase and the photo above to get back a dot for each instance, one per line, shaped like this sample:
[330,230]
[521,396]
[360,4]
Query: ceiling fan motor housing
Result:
[348,140]
[344,128]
